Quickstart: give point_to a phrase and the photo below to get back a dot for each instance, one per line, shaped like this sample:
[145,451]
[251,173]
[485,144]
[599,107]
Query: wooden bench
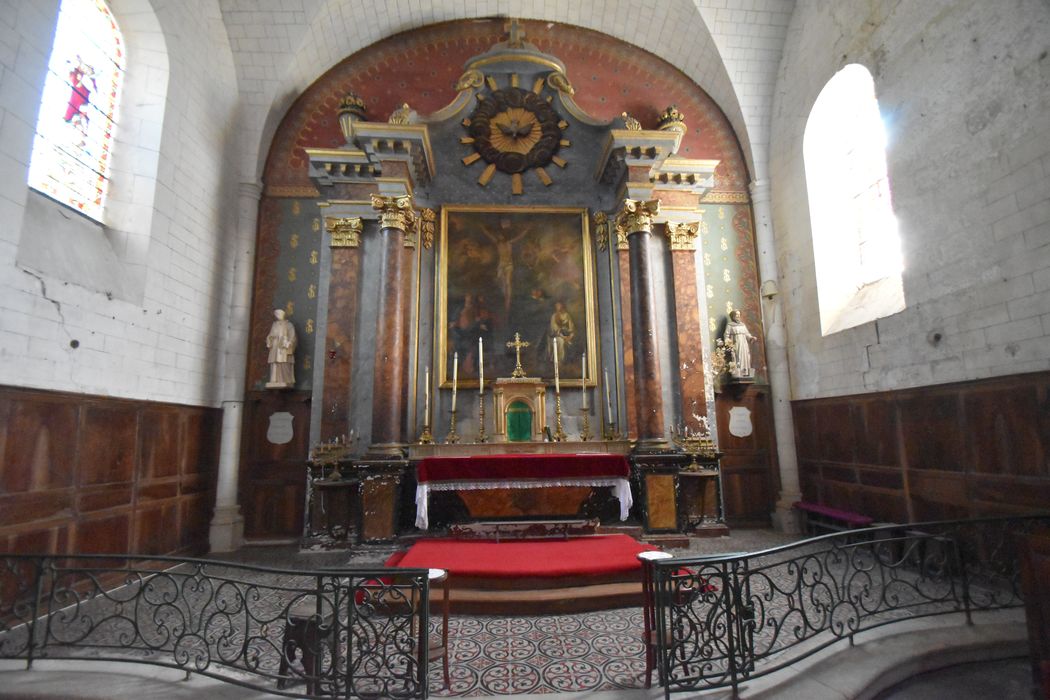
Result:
[832,519]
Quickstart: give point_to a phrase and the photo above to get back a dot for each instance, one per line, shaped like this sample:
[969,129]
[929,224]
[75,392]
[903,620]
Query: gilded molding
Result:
[345,231]
[621,238]
[427,225]
[601,229]
[395,212]
[630,123]
[682,236]
[401,115]
[472,79]
[672,120]
[637,215]
[557,81]
[725,198]
[305,192]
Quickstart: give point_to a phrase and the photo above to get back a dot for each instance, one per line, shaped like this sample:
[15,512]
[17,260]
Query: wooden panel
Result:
[961,450]
[194,521]
[159,443]
[37,442]
[379,508]
[562,501]
[272,477]
[1005,431]
[106,448]
[662,512]
[933,432]
[875,432]
[103,535]
[747,496]
[749,478]
[82,467]
[834,433]
[156,530]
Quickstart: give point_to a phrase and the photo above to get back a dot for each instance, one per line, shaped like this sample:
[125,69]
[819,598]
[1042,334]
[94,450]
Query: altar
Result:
[572,473]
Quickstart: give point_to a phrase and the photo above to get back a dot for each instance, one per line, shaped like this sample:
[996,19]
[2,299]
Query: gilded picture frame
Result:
[503,270]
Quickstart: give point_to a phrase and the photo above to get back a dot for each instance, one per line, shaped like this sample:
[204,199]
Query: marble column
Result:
[681,239]
[636,220]
[343,307]
[784,517]
[629,427]
[389,388]
[227,525]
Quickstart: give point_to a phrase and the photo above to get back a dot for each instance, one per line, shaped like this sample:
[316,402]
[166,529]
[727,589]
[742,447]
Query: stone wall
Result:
[964,88]
[146,296]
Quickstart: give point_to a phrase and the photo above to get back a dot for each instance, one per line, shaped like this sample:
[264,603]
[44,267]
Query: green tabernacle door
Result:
[519,422]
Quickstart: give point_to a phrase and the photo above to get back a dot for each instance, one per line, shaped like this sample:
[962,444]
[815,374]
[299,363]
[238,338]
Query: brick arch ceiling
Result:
[335,29]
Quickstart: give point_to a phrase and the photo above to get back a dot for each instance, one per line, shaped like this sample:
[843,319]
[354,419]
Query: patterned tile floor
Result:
[536,655]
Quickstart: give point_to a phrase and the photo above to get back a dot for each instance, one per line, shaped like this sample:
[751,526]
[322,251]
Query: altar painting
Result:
[507,270]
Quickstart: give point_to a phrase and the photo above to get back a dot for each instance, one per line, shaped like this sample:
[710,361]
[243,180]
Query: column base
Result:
[227,529]
[785,518]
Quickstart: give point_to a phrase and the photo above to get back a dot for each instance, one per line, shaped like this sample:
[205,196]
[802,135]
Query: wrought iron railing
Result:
[724,619]
[322,633]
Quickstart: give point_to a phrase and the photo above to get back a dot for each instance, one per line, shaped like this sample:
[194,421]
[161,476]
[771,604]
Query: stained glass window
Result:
[74,129]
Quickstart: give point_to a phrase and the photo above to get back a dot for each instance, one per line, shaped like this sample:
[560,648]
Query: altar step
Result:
[543,601]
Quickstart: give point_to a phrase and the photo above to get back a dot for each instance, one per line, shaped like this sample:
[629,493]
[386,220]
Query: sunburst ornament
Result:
[515,130]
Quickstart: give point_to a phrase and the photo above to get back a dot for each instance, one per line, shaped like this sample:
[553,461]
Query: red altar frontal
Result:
[512,472]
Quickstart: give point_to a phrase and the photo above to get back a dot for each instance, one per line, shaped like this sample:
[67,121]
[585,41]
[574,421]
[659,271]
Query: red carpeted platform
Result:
[597,556]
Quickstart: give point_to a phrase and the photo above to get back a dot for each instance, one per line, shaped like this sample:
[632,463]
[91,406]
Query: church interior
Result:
[370,283]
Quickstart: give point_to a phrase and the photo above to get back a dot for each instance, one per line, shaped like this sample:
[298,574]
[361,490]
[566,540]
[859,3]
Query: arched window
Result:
[856,243]
[77,118]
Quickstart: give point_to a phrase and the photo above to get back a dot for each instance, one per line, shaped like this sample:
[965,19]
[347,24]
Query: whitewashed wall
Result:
[964,86]
[159,336]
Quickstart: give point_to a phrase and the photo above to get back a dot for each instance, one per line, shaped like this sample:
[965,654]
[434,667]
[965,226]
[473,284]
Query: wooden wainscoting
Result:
[948,451]
[81,474]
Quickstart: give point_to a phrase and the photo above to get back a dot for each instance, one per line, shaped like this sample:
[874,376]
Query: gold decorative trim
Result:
[630,123]
[395,212]
[427,226]
[601,229]
[290,191]
[472,79]
[558,81]
[401,115]
[682,236]
[636,215]
[517,58]
[726,198]
[345,231]
[621,238]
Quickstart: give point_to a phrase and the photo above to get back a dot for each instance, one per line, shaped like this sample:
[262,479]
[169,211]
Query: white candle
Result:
[557,384]
[481,366]
[583,383]
[426,398]
[455,377]
[608,400]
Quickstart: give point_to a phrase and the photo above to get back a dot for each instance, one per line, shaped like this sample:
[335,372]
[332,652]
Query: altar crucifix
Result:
[518,344]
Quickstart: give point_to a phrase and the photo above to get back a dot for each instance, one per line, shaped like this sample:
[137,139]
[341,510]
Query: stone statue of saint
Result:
[281,341]
[738,339]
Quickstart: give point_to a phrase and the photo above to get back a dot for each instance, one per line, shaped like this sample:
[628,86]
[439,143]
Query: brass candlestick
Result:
[482,437]
[425,437]
[585,434]
[452,438]
[611,433]
[559,431]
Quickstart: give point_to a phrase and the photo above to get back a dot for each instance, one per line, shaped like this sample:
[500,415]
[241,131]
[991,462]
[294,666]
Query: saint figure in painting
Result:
[563,328]
[504,243]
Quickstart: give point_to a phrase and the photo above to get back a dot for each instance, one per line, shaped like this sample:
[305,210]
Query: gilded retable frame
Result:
[503,270]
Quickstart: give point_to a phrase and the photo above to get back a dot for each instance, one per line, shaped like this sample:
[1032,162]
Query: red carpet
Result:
[584,556]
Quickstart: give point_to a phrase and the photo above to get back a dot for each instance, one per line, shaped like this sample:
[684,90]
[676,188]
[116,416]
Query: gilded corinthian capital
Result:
[395,212]
[637,215]
[682,236]
[345,231]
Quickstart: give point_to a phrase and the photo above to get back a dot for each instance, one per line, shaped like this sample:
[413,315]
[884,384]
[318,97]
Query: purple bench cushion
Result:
[829,512]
